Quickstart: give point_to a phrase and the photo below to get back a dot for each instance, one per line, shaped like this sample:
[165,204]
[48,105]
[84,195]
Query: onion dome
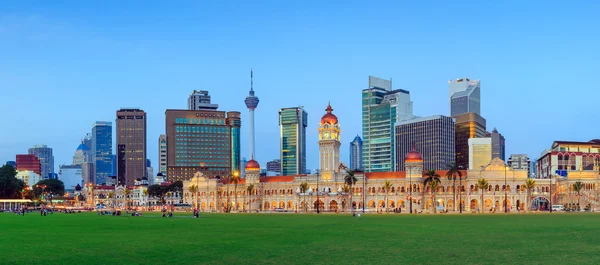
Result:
[413,156]
[329,117]
[252,165]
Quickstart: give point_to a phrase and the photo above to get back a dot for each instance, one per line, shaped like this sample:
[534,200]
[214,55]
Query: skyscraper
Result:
[517,161]
[251,102]
[356,154]
[432,136]
[274,166]
[329,145]
[292,126]
[102,150]
[82,154]
[202,140]
[498,145]
[162,154]
[200,100]
[71,176]
[382,108]
[44,154]
[131,145]
[464,96]
[468,125]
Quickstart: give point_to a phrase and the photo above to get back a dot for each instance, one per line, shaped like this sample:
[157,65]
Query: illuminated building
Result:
[292,124]
[329,145]
[432,136]
[202,140]
[468,125]
[131,145]
[29,162]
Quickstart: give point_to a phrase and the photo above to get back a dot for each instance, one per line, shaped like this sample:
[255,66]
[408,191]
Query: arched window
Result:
[401,189]
[497,188]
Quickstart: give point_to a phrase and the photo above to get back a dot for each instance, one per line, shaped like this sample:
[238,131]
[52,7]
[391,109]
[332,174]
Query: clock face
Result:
[326,135]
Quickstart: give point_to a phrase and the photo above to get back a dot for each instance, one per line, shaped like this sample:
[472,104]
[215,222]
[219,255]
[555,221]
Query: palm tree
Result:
[227,179]
[431,176]
[577,187]
[111,194]
[249,189]
[193,189]
[434,185]
[529,185]
[235,179]
[146,193]
[454,171]
[346,190]
[303,189]
[127,193]
[350,180]
[387,186]
[482,184]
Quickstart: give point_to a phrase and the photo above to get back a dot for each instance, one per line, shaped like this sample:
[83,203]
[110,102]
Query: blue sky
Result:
[66,64]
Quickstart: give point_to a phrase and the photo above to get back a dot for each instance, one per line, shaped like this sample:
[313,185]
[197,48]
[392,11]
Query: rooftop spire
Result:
[251,80]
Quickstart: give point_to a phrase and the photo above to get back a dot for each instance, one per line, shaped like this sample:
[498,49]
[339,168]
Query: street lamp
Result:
[505,190]
[318,202]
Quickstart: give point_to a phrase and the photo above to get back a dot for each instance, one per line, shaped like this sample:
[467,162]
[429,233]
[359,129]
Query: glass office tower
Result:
[292,125]
[102,150]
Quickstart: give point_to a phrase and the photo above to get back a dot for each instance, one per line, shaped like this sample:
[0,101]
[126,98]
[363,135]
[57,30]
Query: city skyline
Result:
[513,71]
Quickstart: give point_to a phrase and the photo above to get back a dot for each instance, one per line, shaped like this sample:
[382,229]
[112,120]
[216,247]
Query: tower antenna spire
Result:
[251,80]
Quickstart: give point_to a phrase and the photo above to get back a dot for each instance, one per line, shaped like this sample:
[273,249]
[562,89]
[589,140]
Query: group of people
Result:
[196,213]
[165,214]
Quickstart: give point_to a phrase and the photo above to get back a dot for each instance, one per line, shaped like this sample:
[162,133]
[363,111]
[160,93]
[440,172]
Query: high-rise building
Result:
[131,145]
[162,154]
[200,100]
[83,158]
[432,136]
[329,145]
[87,140]
[356,154]
[274,166]
[468,125]
[44,154]
[29,177]
[498,146]
[465,96]
[102,150]
[29,162]
[382,108]
[251,103]
[292,126]
[114,164]
[202,140]
[480,153]
[517,161]
[71,176]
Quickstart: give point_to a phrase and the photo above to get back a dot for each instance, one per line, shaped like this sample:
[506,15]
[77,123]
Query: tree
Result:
[49,186]
[303,189]
[577,187]
[430,177]
[350,180]
[146,194]
[387,186]
[193,189]
[529,185]
[227,179]
[235,179]
[434,185]
[250,189]
[157,191]
[346,190]
[482,184]
[10,186]
[127,193]
[454,171]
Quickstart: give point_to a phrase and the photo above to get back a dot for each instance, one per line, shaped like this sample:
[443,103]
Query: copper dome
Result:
[252,165]
[329,117]
[413,156]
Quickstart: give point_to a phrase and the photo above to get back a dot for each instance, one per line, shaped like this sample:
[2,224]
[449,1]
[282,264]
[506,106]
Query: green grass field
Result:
[300,239]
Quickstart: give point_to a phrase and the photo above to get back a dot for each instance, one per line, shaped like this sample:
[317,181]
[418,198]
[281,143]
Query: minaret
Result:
[251,102]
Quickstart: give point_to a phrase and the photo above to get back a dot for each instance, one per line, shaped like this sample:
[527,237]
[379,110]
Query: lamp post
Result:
[363,193]
[505,191]
[410,190]
[318,202]
[460,190]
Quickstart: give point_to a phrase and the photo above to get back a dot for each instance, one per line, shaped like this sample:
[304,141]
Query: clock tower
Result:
[329,145]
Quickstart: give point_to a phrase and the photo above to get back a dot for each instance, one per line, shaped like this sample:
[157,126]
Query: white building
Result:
[162,155]
[480,153]
[29,177]
[70,175]
[200,100]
